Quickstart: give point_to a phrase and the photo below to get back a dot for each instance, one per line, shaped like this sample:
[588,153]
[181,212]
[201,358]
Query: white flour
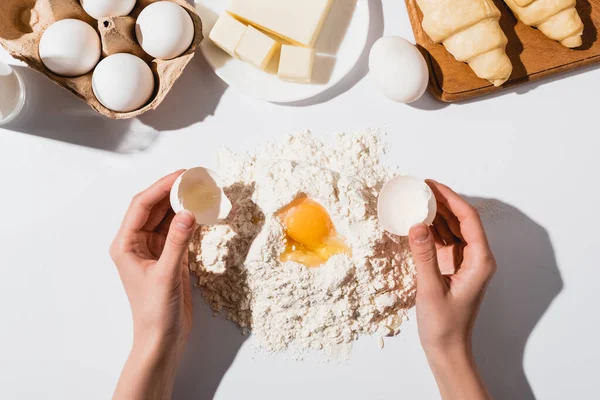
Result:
[288,306]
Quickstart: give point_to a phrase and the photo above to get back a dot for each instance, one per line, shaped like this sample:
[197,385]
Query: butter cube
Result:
[227,33]
[296,64]
[256,48]
[296,21]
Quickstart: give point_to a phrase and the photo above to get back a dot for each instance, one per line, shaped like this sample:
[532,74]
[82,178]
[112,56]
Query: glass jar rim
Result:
[20,102]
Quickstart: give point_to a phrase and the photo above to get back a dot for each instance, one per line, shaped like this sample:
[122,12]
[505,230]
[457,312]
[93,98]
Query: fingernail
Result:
[185,220]
[419,233]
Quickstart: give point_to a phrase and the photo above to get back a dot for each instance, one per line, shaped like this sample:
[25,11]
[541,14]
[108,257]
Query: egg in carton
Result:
[23,22]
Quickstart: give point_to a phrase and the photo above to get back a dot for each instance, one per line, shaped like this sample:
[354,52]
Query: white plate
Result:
[339,47]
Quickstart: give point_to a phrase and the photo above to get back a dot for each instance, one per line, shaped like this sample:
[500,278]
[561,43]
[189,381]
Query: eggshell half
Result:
[197,190]
[405,201]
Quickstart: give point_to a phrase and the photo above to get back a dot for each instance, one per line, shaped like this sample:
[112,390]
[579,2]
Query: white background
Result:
[67,179]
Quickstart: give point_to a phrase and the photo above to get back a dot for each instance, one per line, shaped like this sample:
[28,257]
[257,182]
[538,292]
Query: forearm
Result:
[149,373]
[457,375]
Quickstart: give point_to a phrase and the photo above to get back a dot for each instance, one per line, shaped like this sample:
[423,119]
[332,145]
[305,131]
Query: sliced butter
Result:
[256,48]
[296,21]
[227,33]
[296,64]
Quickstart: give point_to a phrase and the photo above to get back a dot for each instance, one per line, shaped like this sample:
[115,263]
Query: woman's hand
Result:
[151,255]
[454,266]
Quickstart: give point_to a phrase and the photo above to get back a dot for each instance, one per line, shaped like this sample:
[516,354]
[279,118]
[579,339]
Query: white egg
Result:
[98,9]
[123,82]
[165,30]
[197,190]
[70,47]
[398,69]
[405,201]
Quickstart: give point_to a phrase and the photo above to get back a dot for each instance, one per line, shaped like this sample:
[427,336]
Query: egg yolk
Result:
[311,238]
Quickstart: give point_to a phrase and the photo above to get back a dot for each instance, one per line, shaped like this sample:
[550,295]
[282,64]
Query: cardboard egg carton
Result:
[22,23]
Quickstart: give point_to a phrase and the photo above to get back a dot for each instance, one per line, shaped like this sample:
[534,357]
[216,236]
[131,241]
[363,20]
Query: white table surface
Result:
[65,327]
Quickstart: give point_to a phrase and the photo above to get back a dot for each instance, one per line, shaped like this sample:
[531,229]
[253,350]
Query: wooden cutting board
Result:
[533,55]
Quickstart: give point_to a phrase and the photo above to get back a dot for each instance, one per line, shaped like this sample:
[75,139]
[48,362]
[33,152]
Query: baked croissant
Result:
[557,19]
[470,31]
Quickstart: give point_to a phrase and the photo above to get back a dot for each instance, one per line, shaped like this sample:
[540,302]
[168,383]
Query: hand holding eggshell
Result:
[197,190]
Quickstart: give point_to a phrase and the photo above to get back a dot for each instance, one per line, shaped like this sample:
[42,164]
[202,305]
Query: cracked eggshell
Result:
[198,190]
[405,201]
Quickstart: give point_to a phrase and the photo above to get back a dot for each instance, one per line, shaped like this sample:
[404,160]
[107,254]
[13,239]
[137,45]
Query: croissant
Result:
[557,19]
[470,31]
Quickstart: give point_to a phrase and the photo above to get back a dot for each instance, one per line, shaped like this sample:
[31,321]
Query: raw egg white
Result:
[98,9]
[405,201]
[197,190]
[165,30]
[398,69]
[123,82]
[70,47]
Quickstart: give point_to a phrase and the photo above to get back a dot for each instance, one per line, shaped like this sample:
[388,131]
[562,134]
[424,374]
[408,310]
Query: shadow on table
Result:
[194,98]
[429,103]
[526,283]
[212,347]
[53,113]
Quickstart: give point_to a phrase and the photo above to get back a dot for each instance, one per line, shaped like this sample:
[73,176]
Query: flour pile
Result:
[286,305]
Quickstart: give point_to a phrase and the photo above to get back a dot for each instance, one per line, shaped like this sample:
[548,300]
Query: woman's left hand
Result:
[151,255]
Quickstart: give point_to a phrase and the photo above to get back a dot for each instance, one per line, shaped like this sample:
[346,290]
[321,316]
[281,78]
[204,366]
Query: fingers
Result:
[479,264]
[157,215]
[165,224]
[422,245]
[142,204]
[477,272]
[471,228]
[178,239]
[443,230]
[450,220]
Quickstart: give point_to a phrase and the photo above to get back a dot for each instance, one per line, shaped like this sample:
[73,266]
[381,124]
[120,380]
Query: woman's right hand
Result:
[454,267]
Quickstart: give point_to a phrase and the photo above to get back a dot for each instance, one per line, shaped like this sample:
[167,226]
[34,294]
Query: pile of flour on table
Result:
[288,306]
